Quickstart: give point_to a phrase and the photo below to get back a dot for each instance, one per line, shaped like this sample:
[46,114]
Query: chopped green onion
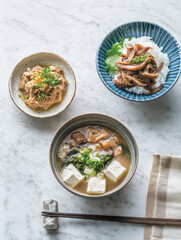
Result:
[82,159]
[154,67]
[39,85]
[41,96]
[139,59]
[27,96]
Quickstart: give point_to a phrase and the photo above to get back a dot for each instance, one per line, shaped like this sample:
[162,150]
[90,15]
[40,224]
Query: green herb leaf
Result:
[39,85]
[126,150]
[49,78]
[41,96]
[154,67]
[110,64]
[54,82]
[27,96]
[82,159]
[113,56]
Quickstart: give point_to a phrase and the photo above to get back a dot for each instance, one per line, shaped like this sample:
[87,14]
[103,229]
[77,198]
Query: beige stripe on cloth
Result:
[164,197]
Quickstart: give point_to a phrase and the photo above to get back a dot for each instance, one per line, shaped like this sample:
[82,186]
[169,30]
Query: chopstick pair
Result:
[122,219]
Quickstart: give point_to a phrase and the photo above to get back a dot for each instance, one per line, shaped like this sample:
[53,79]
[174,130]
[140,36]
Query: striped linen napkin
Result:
[164,197]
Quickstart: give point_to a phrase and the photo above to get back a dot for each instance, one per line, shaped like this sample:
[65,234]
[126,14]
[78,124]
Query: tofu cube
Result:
[114,171]
[50,222]
[96,185]
[71,176]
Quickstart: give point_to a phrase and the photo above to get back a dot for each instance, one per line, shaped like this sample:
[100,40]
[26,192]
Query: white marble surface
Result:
[74,30]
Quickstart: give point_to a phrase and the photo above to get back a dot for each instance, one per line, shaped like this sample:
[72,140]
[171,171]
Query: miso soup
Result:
[93,160]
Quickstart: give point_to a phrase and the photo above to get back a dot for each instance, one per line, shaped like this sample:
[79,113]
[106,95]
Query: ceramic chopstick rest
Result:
[50,223]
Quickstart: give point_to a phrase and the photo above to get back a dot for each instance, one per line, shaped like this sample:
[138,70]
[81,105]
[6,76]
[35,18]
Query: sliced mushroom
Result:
[78,137]
[156,89]
[110,143]
[94,134]
[159,68]
[136,81]
[135,67]
[141,51]
[148,75]
[140,74]
[129,47]
[119,84]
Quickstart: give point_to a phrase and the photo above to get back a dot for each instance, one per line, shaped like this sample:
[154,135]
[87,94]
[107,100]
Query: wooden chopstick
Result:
[123,219]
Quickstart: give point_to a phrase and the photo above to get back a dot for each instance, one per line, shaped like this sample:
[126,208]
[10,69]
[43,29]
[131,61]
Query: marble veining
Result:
[74,30]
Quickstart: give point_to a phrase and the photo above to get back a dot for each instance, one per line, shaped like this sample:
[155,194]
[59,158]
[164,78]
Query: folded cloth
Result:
[164,197]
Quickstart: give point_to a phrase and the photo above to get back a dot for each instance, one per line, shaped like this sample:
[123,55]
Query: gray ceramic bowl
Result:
[42,58]
[93,119]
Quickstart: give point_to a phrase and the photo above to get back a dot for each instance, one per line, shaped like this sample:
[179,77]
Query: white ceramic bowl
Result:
[42,58]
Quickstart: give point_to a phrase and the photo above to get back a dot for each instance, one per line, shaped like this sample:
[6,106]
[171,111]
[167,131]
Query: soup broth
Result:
[93,160]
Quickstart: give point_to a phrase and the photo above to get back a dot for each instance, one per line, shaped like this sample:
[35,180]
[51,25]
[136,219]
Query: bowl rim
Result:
[12,95]
[136,100]
[79,193]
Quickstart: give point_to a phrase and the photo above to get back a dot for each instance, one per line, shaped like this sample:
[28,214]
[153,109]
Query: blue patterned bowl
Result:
[137,29]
